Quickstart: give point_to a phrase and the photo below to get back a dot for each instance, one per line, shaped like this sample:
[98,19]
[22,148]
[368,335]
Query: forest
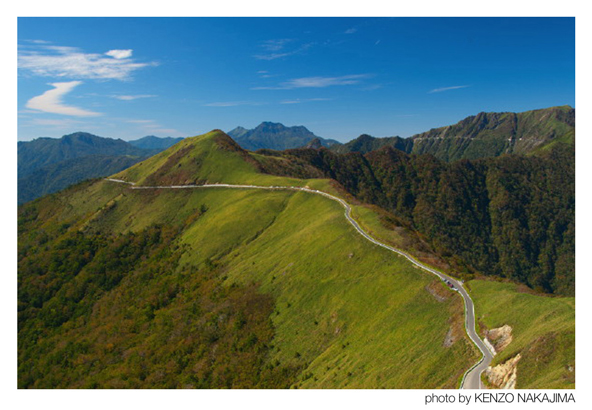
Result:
[511,216]
[166,327]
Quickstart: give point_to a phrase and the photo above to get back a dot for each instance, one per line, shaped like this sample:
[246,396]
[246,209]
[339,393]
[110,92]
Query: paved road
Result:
[472,377]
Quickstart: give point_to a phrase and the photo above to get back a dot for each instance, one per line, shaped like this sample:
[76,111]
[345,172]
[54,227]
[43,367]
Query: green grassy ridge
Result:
[543,330]
[212,158]
[298,226]
[275,229]
[248,237]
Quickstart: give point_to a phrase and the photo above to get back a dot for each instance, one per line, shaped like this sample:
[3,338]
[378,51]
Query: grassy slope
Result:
[528,328]
[355,313]
[364,321]
[359,321]
[543,332]
[543,327]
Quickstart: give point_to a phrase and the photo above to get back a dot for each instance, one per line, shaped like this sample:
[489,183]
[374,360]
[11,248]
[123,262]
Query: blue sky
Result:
[340,77]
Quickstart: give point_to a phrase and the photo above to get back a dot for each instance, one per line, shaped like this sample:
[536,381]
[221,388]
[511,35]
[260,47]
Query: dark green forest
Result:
[511,216]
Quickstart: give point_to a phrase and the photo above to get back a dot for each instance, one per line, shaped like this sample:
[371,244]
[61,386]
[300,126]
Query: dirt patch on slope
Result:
[500,337]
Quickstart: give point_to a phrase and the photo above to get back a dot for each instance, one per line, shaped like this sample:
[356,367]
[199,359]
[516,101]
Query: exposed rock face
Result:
[500,337]
[503,376]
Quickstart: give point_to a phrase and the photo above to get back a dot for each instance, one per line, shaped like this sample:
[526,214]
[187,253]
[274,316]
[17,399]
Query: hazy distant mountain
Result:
[55,177]
[40,152]
[47,165]
[275,136]
[365,143]
[152,142]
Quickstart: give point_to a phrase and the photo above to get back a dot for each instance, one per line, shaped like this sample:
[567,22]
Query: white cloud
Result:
[51,101]
[132,97]
[351,30]
[119,54]
[439,90]
[317,82]
[70,62]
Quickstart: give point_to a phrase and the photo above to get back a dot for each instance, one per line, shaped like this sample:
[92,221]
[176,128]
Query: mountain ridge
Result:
[237,287]
[47,165]
[483,135]
[276,136]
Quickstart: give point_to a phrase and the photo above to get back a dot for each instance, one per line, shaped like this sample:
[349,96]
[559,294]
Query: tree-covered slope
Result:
[366,143]
[222,288]
[511,216]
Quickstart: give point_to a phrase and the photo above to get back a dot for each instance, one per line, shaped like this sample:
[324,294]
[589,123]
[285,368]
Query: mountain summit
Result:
[273,135]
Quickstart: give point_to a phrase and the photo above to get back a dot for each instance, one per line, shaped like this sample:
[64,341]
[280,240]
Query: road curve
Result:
[472,377]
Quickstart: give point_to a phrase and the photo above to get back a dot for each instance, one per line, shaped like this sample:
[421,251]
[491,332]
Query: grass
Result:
[355,314]
[543,332]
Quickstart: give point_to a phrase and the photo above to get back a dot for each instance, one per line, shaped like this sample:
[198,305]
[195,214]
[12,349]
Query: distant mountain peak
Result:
[154,142]
[276,136]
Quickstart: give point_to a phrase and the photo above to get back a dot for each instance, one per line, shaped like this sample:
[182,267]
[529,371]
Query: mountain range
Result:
[481,136]
[46,165]
[139,286]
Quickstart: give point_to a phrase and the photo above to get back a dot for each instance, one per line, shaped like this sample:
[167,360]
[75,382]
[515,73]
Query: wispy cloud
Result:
[51,101]
[275,49]
[275,45]
[317,82]
[305,100]
[264,74]
[231,103]
[119,54]
[439,90]
[37,41]
[132,97]
[351,30]
[70,62]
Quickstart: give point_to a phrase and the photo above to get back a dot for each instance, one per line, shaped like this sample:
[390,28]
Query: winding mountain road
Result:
[472,377]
